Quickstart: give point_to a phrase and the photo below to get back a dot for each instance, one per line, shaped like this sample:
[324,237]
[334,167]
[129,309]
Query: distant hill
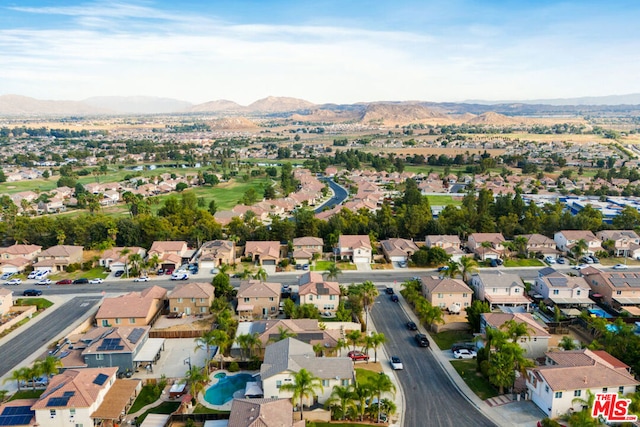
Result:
[233,123]
[276,104]
[399,113]
[138,104]
[17,105]
[629,99]
[218,106]
[494,119]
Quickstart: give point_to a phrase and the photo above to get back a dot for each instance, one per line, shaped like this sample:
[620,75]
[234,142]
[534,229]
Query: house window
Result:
[278,384]
[325,383]
[72,412]
[466,304]
[203,309]
[440,296]
[193,300]
[105,322]
[546,388]
[516,290]
[118,320]
[494,290]
[52,412]
[310,297]
[271,299]
[556,291]
[332,297]
[578,292]
[618,292]
[345,383]
[179,300]
[464,295]
[621,389]
[558,395]
[132,320]
[577,393]
[99,356]
[78,425]
[201,299]
[605,389]
[247,299]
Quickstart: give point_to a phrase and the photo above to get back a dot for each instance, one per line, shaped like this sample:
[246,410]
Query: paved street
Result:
[431,399]
[31,340]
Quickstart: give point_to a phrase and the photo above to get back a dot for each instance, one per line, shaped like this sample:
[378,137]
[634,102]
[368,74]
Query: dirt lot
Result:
[186,323]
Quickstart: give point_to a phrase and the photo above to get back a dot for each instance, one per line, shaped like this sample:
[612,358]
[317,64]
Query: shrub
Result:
[73,267]
[233,367]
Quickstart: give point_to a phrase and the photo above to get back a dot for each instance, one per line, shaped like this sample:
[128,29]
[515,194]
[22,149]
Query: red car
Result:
[64,282]
[357,355]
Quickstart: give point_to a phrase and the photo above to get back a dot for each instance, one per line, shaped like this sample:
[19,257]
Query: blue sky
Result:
[322,51]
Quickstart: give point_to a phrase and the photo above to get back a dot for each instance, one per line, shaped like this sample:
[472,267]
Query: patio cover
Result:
[568,301]
[150,350]
[155,420]
[627,300]
[116,400]
[245,307]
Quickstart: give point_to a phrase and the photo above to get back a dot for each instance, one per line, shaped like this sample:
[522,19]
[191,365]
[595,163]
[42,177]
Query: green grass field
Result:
[446,339]
[443,201]
[529,262]
[364,375]
[476,382]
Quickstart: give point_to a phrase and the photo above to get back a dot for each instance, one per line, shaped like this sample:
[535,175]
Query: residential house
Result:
[58,258]
[285,358]
[486,245]
[617,290]
[263,253]
[6,301]
[568,376]
[191,298]
[112,347]
[539,244]
[87,397]
[29,252]
[304,249]
[258,299]
[535,345]
[132,309]
[313,289]
[567,239]
[450,243]
[117,259]
[500,289]
[398,250]
[262,413]
[171,254]
[355,248]
[53,205]
[215,253]
[563,290]
[623,240]
[450,294]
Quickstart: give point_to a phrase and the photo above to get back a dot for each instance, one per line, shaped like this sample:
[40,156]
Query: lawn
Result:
[163,408]
[475,381]
[528,262]
[148,394]
[443,201]
[446,339]
[94,273]
[26,394]
[201,409]
[322,265]
[41,303]
[363,376]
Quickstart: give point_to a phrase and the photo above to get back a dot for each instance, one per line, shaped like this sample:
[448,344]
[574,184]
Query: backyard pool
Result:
[223,391]
[598,312]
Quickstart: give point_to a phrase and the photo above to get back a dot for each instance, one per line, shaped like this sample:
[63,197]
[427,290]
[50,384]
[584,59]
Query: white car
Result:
[44,282]
[620,267]
[463,353]
[550,260]
[180,276]
[396,363]
[96,281]
[32,275]
[13,282]
[141,279]
[580,267]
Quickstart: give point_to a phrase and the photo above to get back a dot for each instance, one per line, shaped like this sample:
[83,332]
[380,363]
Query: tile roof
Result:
[496,320]
[20,249]
[270,249]
[168,246]
[261,413]
[308,241]
[95,339]
[436,284]
[60,250]
[81,382]
[578,234]
[192,290]
[445,238]
[398,247]
[116,400]
[562,378]
[320,288]
[132,304]
[354,241]
[256,289]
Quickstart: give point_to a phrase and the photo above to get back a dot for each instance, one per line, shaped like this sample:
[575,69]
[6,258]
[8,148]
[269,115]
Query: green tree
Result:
[567,343]
[196,378]
[343,397]
[305,385]
[354,338]
[50,366]
[468,266]
[208,341]
[474,312]
[283,334]
[222,285]
[332,272]
[19,375]
[377,339]
[261,274]
[501,370]
[379,384]
[578,249]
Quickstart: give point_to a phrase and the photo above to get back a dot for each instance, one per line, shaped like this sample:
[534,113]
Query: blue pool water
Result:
[600,313]
[222,391]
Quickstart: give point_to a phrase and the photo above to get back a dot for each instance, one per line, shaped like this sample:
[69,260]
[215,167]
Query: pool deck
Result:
[213,381]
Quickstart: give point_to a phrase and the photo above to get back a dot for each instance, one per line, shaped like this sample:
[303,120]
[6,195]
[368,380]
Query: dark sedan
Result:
[32,293]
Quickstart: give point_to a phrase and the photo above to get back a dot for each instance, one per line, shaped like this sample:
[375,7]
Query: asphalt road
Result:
[339,196]
[42,333]
[430,397]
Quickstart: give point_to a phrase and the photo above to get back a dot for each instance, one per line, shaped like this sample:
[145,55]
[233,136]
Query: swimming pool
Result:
[223,391]
[598,312]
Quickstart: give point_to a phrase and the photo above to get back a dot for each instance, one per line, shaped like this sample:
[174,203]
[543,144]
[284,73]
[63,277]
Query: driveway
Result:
[363,266]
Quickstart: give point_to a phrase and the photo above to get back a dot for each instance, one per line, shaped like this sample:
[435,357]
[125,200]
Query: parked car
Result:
[396,364]
[32,293]
[160,272]
[463,345]
[412,326]
[561,260]
[13,282]
[357,355]
[496,262]
[175,315]
[595,259]
[96,281]
[141,279]
[422,340]
[44,282]
[40,382]
[550,260]
[215,271]
[119,273]
[463,353]
[394,298]
[620,267]
[180,276]
[443,268]
[31,275]
[81,281]
[305,267]
[6,276]
[580,266]
[390,291]
[64,282]
[402,264]
[168,272]
[586,259]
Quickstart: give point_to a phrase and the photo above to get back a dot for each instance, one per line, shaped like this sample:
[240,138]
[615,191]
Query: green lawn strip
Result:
[40,303]
[476,382]
[322,265]
[26,394]
[443,201]
[529,262]
[347,266]
[163,408]
[148,394]
[201,409]
[363,376]
[94,273]
[446,339]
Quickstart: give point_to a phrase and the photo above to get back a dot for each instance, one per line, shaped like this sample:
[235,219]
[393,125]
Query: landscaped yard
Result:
[446,339]
[528,262]
[363,375]
[201,409]
[322,265]
[26,394]
[476,382]
[443,200]
[148,394]
[163,408]
[41,303]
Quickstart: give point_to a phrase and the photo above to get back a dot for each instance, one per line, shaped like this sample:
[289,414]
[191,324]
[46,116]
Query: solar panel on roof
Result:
[17,410]
[100,379]
[68,393]
[58,401]
[57,387]
[135,335]
[16,420]
[558,281]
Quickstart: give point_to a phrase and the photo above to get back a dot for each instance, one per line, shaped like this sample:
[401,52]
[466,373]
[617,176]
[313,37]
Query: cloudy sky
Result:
[338,51]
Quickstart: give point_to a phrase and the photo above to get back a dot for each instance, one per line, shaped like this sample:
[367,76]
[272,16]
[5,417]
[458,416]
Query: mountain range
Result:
[299,109]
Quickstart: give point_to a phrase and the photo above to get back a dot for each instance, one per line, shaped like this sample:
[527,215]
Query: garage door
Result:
[269,262]
[398,258]
[361,260]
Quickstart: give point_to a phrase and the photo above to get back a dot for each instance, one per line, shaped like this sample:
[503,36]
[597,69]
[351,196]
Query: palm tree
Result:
[248,342]
[468,267]
[283,334]
[369,294]
[583,417]
[197,379]
[378,339]
[206,340]
[579,248]
[261,274]
[332,272]
[33,374]
[453,270]
[123,253]
[485,246]
[501,370]
[379,384]
[222,340]
[515,330]
[429,314]
[50,366]
[135,260]
[354,337]
[19,375]
[361,393]
[343,395]
[304,385]
[520,245]
[567,343]
[340,345]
